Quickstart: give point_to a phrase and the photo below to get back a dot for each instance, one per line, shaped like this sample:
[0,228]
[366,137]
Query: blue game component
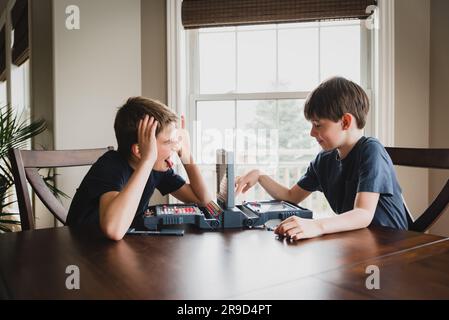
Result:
[224,214]
[163,215]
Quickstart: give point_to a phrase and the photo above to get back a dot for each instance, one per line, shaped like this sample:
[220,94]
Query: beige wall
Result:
[154,49]
[422,100]
[41,87]
[439,99]
[154,58]
[3,4]
[96,69]
[120,51]
[412,38]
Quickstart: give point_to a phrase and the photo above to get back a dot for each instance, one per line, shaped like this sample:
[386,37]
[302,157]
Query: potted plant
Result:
[14,133]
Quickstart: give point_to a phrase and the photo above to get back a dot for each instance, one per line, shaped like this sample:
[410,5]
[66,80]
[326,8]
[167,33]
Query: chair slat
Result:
[46,196]
[25,165]
[421,158]
[60,158]
[425,158]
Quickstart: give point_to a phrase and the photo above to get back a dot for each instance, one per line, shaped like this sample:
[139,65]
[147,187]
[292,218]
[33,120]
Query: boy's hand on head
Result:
[296,228]
[183,143]
[146,139]
[246,182]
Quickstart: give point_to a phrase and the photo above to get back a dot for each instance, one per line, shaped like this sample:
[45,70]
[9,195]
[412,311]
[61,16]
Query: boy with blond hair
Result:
[115,192]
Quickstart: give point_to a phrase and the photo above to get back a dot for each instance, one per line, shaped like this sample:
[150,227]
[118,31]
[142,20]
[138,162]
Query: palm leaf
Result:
[14,133]
[15,222]
[6,214]
[4,228]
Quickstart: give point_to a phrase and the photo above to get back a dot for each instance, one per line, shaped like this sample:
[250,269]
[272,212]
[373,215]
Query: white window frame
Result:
[380,122]
[183,92]
[384,76]
[193,86]
[6,22]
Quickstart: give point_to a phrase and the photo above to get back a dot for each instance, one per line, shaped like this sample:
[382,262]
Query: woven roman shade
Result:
[219,13]
[19,15]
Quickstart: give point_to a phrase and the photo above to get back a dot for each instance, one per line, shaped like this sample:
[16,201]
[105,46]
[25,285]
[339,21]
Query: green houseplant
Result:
[14,133]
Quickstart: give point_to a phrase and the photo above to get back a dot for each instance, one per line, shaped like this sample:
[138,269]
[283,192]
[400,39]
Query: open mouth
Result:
[169,163]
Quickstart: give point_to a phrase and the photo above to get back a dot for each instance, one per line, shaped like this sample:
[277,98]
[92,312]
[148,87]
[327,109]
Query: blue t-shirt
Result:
[111,172]
[367,168]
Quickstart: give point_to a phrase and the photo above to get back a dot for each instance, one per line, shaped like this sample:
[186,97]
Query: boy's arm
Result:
[196,190]
[295,194]
[360,217]
[117,209]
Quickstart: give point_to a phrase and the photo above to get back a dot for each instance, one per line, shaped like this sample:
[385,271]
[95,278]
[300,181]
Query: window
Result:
[20,89]
[247,87]
[3,99]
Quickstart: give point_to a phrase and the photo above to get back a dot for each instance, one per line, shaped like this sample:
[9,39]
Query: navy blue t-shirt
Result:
[367,168]
[111,172]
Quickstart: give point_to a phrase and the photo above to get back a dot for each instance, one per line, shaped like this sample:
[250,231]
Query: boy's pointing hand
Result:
[246,182]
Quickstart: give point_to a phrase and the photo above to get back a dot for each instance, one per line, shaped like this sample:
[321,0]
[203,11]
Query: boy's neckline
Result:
[347,156]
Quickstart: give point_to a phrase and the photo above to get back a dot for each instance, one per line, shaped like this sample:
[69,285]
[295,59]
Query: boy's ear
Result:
[346,121]
[135,151]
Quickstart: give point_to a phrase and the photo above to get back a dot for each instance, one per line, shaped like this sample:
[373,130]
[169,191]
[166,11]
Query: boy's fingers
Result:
[139,131]
[238,190]
[289,219]
[183,122]
[246,188]
[237,182]
[144,125]
[153,129]
[240,187]
[149,125]
[300,235]
[293,231]
[285,226]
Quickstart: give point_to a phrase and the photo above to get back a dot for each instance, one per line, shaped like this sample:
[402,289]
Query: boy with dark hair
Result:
[115,192]
[354,172]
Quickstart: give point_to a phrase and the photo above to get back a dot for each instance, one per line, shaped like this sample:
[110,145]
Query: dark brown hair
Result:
[335,97]
[129,115]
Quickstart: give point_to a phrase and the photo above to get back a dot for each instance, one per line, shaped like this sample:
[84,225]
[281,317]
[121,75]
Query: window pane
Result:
[271,135]
[19,88]
[298,59]
[3,101]
[216,121]
[256,61]
[256,141]
[217,62]
[295,143]
[257,134]
[340,52]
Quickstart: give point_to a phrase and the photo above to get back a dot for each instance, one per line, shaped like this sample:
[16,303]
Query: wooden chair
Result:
[424,158]
[25,165]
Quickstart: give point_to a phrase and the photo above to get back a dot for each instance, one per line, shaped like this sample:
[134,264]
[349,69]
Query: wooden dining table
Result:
[229,264]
